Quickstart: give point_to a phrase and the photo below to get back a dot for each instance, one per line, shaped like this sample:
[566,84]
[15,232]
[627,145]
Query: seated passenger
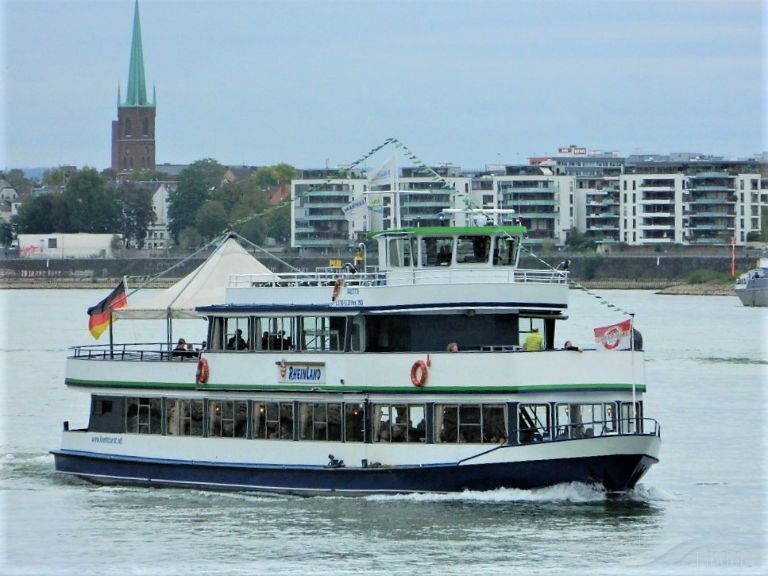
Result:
[534,341]
[183,349]
[237,342]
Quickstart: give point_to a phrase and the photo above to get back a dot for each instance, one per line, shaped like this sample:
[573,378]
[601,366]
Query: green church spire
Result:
[136,94]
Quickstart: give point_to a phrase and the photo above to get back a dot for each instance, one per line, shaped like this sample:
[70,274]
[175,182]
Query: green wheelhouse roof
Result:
[453,231]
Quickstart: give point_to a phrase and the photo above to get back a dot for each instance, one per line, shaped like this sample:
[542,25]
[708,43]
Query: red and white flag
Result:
[614,337]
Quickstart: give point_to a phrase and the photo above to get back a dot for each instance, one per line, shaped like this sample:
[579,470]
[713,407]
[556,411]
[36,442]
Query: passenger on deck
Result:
[533,342]
[637,339]
[237,342]
[571,346]
[183,349]
[452,347]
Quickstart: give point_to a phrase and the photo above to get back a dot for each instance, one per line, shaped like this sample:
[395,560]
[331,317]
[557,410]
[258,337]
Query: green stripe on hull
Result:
[381,389]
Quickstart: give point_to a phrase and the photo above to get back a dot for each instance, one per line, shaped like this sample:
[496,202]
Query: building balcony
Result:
[712,188]
[327,217]
[603,228]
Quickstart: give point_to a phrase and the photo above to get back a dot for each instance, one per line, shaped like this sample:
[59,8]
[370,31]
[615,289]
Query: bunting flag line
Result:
[421,168]
[100,316]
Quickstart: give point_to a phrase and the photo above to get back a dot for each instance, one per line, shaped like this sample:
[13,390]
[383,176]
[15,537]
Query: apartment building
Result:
[685,199]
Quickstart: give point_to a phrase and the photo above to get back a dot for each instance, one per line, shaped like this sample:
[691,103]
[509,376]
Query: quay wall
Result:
[583,268]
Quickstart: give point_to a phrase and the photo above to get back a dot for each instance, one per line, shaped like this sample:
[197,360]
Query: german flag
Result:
[100,316]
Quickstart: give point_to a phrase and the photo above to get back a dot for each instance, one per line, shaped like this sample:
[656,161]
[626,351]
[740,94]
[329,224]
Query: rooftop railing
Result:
[440,275]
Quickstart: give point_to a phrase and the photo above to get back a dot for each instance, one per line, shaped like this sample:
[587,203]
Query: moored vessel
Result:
[436,370]
[752,286]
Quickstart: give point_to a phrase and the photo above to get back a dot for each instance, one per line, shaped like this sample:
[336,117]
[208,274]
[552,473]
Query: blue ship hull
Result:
[615,473]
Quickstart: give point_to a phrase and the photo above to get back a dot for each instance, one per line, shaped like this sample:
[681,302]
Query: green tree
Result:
[278,224]
[58,176]
[91,206]
[253,230]
[190,238]
[196,184]
[136,212]
[41,214]
[6,233]
[18,180]
[211,219]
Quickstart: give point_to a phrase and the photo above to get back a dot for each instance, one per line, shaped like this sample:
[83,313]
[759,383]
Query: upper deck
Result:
[444,267]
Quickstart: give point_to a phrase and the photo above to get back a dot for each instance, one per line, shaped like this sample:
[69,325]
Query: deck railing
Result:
[141,351]
[401,277]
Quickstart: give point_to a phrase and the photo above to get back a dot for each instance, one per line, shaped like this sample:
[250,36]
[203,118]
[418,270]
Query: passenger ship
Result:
[341,382]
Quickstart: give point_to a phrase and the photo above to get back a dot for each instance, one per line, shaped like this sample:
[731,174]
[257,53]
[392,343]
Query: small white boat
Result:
[347,382]
[752,287]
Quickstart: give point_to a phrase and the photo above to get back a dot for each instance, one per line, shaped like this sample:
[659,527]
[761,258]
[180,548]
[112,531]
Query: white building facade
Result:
[638,201]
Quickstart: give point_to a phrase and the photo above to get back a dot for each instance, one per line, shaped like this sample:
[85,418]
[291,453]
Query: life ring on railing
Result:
[337,286]
[419,373]
[202,371]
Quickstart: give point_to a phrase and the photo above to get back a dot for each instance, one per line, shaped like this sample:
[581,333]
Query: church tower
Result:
[133,133]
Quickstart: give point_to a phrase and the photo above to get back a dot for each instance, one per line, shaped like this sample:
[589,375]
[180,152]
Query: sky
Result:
[318,83]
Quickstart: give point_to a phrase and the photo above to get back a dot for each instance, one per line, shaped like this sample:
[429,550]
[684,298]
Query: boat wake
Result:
[738,360]
[573,492]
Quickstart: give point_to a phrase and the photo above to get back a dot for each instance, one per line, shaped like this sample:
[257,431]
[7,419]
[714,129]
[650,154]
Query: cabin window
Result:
[238,333]
[184,417]
[320,421]
[585,420]
[143,416]
[505,252]
[322,333]
[470,423]
[228,418]
[273,420]
[436,251]
[526,326]
[398,423]
[472,249]
[107,414]
[631,423]
[354,422]
[276,333]
[533,423]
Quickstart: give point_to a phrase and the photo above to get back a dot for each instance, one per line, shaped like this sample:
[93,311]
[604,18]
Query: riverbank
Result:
[659,286]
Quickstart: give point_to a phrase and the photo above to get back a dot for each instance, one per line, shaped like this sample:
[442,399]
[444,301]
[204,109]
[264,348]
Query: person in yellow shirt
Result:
[533,342]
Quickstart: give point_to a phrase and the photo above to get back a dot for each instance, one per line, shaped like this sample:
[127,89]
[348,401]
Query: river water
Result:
[701,510]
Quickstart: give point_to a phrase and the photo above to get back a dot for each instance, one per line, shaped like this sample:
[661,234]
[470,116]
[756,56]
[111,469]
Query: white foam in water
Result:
[572,492]
[642,493]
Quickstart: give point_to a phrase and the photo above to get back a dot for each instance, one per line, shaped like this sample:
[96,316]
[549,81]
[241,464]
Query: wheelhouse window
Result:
[143,416]
[585,420]
[533,423]
[320,421]
[228,418]
[400,252]
[472,249]
[436,251]
[273,420]
[470,423]
[505,252]
[398,423]
[184,417]
[231,333]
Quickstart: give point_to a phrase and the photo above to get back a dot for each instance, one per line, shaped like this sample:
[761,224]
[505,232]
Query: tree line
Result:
[202,205]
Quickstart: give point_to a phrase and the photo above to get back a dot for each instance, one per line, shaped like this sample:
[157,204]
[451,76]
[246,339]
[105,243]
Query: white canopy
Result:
[204,286]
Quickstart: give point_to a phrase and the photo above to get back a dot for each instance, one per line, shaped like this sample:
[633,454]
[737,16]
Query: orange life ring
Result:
[337,289]
[419,373]
[202,371]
